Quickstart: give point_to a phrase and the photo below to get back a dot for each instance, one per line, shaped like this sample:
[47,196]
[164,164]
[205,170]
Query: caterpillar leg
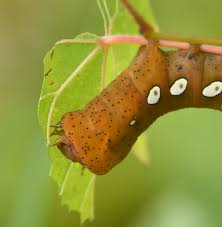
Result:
[57,126]
[58,141]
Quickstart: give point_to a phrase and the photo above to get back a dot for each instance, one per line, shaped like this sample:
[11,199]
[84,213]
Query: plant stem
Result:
[149,32]
[190,39]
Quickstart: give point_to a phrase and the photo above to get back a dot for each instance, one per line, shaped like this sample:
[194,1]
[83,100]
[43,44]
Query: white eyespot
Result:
[178,87]
[133,122]
[213,89]
[154,95]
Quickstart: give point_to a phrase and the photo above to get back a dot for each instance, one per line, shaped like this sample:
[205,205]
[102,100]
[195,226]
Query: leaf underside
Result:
[75,71]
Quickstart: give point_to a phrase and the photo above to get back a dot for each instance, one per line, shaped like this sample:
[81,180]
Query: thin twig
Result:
[149,32]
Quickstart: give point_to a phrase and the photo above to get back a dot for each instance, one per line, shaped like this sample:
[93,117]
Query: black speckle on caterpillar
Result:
[101,135]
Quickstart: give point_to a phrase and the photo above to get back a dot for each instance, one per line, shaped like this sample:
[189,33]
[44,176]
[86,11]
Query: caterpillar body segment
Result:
[157,82]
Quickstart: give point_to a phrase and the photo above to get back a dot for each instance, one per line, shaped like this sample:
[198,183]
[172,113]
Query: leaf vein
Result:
[103,16]
[66,179]
[47,95]
[87,191]
[63,86]
[67,41]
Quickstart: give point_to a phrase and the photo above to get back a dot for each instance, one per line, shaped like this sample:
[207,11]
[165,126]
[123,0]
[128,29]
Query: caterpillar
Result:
[101,135]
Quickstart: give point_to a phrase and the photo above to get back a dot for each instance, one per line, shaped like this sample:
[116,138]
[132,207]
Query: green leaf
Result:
[140,149]
[75,70]
[70,70]
[83,202]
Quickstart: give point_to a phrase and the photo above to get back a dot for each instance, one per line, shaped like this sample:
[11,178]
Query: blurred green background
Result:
[182,186]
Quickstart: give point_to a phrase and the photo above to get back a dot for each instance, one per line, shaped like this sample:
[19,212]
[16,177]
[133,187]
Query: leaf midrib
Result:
[63,86]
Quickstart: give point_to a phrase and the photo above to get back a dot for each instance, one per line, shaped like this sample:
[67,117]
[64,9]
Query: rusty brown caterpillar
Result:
[101,135]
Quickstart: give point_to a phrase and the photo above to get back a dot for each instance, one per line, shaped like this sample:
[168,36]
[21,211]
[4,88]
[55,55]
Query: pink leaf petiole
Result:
[140,40]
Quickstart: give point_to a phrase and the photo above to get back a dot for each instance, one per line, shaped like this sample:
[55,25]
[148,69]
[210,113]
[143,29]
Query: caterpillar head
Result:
[63,143]
[80,143]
